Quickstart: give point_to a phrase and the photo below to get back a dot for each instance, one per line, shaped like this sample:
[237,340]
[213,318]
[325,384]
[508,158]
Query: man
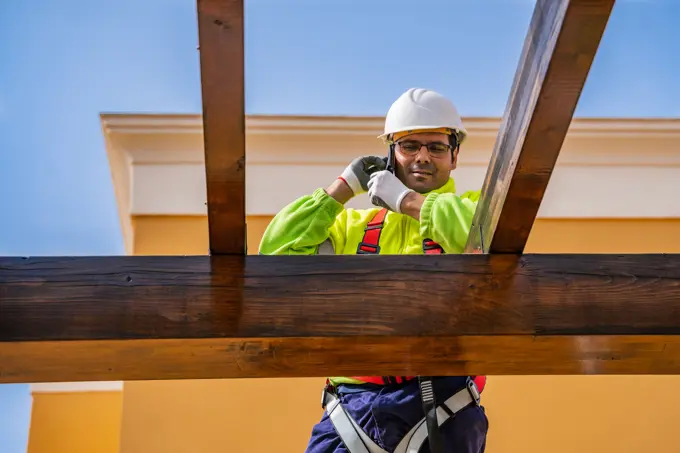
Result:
[417,212]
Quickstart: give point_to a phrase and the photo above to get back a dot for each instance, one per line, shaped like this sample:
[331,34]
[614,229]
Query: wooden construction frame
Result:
[563,37]
[493,310]
[136,317]
[221,42]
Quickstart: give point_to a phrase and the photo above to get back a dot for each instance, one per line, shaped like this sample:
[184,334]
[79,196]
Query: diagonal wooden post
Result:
[559,49]
[220,31]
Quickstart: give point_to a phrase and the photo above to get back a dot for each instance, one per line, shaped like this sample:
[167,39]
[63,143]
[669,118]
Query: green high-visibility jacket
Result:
[304,225]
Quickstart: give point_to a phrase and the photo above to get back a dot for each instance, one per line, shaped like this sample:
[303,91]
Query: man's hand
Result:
[354,179]
[356,175]
[385,190]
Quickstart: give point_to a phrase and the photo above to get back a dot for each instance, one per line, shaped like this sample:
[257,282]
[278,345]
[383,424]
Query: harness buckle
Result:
[429,244]
[375,247]
[473,391]
[327,389]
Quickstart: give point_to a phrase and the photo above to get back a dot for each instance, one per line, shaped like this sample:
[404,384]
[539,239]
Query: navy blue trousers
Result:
[388,413]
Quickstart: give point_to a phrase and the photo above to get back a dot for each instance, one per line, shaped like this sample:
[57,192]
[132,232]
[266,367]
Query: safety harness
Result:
[369,245]
[353,436]
[358,441]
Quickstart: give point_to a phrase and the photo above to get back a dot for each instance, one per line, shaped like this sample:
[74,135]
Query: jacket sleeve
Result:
[300,227]
[446,218]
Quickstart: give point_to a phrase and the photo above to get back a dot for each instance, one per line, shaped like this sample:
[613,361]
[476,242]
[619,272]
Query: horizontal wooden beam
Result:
[118,318]
[220,33]
[559,48]
[218,358]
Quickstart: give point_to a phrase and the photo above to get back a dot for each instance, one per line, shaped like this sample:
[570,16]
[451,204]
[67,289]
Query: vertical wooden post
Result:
[220,30]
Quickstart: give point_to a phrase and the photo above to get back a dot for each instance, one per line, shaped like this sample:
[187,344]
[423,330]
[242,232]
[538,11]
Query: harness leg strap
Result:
[353,436]
[357,441]
[434,437]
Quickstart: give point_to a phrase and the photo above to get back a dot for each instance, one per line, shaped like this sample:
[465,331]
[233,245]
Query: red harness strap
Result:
[480,381]
[370,245]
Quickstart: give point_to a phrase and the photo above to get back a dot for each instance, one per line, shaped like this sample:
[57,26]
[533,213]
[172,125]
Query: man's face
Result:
[421,169]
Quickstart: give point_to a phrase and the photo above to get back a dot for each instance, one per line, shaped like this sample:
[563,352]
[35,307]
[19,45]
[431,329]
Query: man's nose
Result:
[423,154]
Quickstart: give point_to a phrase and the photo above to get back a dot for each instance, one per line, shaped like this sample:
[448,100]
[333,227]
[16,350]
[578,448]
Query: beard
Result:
[419,169]
[422,178]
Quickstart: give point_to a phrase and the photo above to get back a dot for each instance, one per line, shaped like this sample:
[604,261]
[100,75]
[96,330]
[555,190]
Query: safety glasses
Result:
[412,147]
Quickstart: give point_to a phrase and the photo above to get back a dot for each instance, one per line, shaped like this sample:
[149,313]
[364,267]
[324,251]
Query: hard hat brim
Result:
[460,132]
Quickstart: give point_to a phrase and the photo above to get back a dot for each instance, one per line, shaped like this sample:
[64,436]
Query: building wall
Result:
[75,422]
[184,235]
[605,236]
[175,235]
[236,415]
[531,414]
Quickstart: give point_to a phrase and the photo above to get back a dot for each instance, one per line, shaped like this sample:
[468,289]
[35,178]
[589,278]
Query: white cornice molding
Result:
[123,123]
[73,387]
[607,168]
[178,139]
[177,136]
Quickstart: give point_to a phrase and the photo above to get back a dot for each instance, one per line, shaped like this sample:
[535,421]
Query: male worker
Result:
[417,211]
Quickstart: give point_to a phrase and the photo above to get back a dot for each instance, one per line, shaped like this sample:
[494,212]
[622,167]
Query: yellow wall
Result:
[185,235]
[604,236]
[166,235]
[528,414]
[206,416]
[584,414]
[80,422]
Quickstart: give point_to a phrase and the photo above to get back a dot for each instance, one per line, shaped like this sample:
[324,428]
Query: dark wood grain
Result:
[162,317]
[220,32]
[559,49]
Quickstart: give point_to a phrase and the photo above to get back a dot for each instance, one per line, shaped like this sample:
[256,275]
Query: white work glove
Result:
[356,174]
[385,190]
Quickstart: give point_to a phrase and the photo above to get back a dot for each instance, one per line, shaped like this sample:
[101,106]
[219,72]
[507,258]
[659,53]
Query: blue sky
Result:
[63,62]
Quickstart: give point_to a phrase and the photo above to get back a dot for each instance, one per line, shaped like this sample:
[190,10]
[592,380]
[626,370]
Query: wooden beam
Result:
[111,318]
[559,49]
[220,32]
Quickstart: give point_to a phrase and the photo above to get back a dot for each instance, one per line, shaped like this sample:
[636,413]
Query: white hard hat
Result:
[421,110]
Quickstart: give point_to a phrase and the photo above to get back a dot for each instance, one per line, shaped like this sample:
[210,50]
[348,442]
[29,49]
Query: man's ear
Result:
[454,161]
[455,146]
